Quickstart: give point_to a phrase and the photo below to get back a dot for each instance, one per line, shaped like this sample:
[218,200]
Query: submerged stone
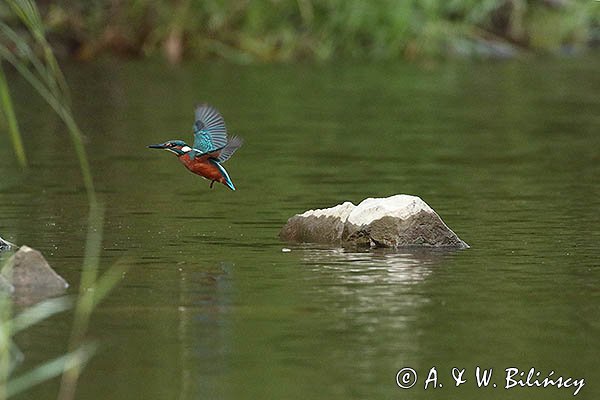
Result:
[31,275]
[396,221]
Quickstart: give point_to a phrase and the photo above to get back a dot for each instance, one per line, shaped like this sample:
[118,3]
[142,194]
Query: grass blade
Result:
[11,119]
[29,14]
[39,312]
[50,369]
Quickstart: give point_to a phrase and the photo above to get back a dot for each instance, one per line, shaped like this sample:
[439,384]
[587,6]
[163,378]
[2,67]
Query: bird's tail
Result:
[229,184]
[227,180]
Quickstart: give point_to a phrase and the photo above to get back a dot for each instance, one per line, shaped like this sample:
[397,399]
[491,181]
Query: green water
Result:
[211,308]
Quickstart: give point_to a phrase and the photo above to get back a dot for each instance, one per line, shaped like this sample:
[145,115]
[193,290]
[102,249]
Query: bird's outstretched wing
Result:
[223,154]
[226,152]
[210,133]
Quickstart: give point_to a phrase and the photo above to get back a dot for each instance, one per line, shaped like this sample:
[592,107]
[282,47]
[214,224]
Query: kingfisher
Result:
[211,147]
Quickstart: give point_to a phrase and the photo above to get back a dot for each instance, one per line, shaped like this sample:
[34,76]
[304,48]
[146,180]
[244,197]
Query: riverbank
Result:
[287,31]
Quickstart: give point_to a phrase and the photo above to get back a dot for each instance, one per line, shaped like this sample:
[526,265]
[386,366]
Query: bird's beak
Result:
[157,146]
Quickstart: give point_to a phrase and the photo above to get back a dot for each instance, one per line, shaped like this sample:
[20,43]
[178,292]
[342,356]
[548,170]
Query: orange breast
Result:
[201,167]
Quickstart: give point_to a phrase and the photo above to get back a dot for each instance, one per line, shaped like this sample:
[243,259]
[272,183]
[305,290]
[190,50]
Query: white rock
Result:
[396,221]
[341,211]
[400,206]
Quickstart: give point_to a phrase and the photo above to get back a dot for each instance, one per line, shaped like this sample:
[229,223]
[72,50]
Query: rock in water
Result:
[396,221]
[29,272]
[318,226]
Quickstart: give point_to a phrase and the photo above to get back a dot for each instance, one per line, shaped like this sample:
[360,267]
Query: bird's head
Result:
[177,147]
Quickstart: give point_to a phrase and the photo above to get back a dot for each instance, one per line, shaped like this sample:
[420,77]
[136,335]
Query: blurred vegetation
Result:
[26,48]
[291,30]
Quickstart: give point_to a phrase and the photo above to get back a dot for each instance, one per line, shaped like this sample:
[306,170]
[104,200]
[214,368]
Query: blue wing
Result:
[210,133]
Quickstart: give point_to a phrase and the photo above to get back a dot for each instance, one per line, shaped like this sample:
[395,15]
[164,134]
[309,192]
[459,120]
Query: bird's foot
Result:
[211,184]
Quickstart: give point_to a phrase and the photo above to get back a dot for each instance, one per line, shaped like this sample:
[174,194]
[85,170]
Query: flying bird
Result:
[211,147]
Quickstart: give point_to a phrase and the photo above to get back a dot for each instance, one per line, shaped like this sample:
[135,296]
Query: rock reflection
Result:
[372,302]
[376,266]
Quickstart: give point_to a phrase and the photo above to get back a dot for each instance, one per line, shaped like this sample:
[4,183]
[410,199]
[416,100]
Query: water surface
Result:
[508,154]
